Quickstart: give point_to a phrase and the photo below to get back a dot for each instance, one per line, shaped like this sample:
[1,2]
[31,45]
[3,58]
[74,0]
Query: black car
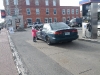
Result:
[57,32]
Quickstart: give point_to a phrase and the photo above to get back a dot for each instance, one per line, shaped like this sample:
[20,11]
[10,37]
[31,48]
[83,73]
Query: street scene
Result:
[50,37]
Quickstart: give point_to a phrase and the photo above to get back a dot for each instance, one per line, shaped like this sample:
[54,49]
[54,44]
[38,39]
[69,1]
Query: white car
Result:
[29,25]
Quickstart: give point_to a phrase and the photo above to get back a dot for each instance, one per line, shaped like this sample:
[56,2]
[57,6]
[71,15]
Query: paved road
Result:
[76,58]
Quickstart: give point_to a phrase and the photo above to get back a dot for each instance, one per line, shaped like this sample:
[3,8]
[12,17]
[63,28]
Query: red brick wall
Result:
[22,6]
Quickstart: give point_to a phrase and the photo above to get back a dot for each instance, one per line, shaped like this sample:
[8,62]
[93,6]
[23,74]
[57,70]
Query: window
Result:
[55,12]
[64,19]
[54,2]
[8,11]
[77,11]
[47,10]
[46,27]
[27,2]
[28,11]
[7,2]
[16,11]
[46,20]
[72,11]
[50,20]
[68,11]
[36,2]
[55,19]
[47,2]
[37,11]
[29,21]
[15,2]
[38,20]
[63,11]
[60,25]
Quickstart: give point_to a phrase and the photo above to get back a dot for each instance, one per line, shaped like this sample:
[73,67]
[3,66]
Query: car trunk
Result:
[66,33]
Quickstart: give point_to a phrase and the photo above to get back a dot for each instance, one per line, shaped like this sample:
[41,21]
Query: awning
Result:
[88,1]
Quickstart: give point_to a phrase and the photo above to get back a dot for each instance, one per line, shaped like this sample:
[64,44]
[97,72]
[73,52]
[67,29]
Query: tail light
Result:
[75,30]
[57,32]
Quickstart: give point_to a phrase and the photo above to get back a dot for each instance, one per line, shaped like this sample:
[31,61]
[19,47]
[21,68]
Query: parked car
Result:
[57,32]
[29,25]
[76,22]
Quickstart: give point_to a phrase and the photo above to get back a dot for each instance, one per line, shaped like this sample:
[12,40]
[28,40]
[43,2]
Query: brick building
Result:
[41,10]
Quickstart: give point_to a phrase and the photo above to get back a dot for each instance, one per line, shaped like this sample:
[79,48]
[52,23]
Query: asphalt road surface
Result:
[76,58]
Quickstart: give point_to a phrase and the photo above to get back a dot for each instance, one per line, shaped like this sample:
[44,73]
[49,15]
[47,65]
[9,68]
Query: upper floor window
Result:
[37,11]
[54,2]
[47,10]
[47,2]
[55,11]
[63,11]
[72,11]
[16,11]
[28,11]
[36,2]
[68,11]
[15,2]
[7,2]
[27,2]
[77,11]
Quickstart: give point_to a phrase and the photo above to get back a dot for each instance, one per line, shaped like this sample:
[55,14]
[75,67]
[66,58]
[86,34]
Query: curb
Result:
[90,40]
[18,62]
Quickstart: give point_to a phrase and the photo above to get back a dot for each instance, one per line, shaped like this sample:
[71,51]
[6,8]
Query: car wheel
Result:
[70,41]
[48,41]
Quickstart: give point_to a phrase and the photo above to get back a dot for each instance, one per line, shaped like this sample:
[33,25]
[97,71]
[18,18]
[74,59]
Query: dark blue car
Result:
[57,32]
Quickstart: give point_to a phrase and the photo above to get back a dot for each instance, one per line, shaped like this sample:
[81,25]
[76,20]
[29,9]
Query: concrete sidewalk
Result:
[7,65]
[87,39]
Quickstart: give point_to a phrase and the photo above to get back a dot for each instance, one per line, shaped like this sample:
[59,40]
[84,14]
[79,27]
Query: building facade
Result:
[41,10]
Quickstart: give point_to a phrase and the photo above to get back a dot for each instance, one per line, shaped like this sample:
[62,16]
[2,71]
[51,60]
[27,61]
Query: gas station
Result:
[90,16]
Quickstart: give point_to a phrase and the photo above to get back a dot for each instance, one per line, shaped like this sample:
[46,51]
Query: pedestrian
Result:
[34,34]
[89,28]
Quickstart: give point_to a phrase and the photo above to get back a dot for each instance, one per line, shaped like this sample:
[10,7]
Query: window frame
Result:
[37,2]
[72,11]
[7,2]
[30,19]
[54,3]
[68,11]
[63,11]
[15,2]
[28,11]
[27,2]
[47,11]
[37,13]
[54,11]
[46,2]
[77,11]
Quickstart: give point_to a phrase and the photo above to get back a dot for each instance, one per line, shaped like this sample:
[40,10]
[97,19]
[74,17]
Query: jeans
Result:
[34,39]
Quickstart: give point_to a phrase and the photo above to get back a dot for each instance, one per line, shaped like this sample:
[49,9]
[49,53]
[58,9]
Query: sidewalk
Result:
[7,66]
[87,39]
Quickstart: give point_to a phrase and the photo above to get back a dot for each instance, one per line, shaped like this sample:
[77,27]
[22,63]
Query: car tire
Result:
[70,41]
[48,41]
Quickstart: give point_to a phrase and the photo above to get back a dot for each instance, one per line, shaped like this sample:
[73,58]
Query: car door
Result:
[45,31]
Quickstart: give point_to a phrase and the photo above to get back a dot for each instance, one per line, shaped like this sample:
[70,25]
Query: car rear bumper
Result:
[56,40]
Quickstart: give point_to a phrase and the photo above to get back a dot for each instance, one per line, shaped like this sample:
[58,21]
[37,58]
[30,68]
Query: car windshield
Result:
[61,25]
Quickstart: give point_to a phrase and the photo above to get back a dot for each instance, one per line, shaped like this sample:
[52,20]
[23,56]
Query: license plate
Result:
[67,33]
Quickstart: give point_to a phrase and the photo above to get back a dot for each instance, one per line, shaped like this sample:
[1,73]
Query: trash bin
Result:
[84,28]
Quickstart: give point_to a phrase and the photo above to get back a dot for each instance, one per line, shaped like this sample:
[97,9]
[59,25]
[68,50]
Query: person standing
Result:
[34,34]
